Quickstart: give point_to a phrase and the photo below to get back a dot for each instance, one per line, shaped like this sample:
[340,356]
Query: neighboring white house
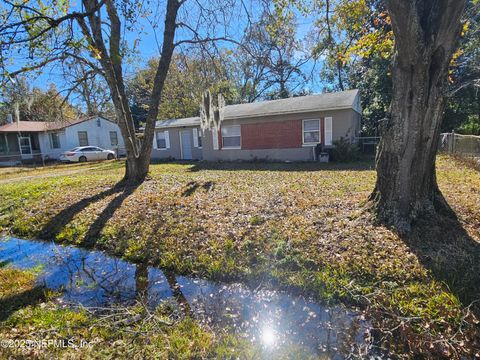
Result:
[39,140]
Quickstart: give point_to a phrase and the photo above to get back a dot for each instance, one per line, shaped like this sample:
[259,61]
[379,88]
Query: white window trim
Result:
[167,141]
[78,137]
[215,139]
[232,147]
[110,137]
[29,144]
[197,133]
[328,131]
[195,137]
[51,141]
[319,133]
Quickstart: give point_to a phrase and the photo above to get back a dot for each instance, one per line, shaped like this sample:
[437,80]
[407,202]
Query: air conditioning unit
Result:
[323,157]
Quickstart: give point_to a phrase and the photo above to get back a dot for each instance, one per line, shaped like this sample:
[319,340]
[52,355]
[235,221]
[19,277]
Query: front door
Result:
[25,147]
[186,144]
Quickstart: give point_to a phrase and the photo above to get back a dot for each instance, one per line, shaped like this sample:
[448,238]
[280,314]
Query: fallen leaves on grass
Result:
[291,226]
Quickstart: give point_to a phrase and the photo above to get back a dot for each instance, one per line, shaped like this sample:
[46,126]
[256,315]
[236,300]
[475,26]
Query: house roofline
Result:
[173,126]
[253,116]
[56,126]
[303,111]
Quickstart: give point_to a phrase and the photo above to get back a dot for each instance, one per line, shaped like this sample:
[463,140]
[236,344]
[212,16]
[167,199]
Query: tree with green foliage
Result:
[360,56]
[26,104]
[189,76]
[462,112]
[86,87]
[354,40]
[271,59]
[95,34]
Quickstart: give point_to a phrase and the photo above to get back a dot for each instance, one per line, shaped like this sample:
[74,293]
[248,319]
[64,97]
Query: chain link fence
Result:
[452,143]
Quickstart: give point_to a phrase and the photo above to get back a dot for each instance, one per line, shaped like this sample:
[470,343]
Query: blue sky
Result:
[148,29]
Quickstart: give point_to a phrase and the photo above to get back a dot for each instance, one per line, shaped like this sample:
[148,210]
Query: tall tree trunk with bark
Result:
[138,156]
[168,47]
[426,34]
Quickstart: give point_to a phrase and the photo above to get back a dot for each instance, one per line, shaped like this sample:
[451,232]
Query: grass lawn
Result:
[296,226]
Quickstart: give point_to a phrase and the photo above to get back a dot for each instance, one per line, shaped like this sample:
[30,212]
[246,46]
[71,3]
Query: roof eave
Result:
[306,111]
[173,126]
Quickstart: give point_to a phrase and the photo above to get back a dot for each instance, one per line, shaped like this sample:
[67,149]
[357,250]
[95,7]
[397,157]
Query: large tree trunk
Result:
[138,164]
[426,32]
[160,76]
[138,157]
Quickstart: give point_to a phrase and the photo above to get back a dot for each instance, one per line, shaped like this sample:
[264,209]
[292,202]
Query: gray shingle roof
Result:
[42,126]
[302,104]
[191,121]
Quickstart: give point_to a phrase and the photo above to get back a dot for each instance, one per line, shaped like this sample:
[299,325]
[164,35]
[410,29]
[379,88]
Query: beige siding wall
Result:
[344,124]
[174,152]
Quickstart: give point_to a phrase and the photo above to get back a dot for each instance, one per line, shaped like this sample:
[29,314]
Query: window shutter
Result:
[328,131]
[215,139]
[155,140]
[195,137]
[167,140]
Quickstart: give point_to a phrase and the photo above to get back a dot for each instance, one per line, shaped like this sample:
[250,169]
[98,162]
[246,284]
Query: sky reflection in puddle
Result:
[274,320]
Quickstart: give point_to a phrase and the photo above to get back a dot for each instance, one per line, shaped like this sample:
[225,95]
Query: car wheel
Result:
[82,159]
[110,157]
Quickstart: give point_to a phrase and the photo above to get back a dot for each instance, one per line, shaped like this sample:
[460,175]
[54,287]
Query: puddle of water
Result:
[274,320]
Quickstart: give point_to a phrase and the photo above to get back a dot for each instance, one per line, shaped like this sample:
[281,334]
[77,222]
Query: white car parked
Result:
[87,153]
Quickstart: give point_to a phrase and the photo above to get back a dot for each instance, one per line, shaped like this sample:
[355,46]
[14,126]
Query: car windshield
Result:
[74,149]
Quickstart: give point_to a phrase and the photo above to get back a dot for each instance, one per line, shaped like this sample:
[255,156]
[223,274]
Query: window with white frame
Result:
[311,131]
[82,138]
[215,139]
[161,140]
[54,141]
[197,138]
[231,136]
[113,138]
[328,131]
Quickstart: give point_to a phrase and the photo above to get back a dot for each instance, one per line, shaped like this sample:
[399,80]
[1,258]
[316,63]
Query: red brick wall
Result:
[272,135]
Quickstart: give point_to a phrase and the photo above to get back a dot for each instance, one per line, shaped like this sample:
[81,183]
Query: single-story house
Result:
[27,141]
[277,130]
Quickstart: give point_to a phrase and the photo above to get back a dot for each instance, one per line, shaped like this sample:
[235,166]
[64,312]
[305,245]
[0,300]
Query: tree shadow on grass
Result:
[97,226]
[59,221]
[10,304]
[192,186]
[363,165]
[453,256]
